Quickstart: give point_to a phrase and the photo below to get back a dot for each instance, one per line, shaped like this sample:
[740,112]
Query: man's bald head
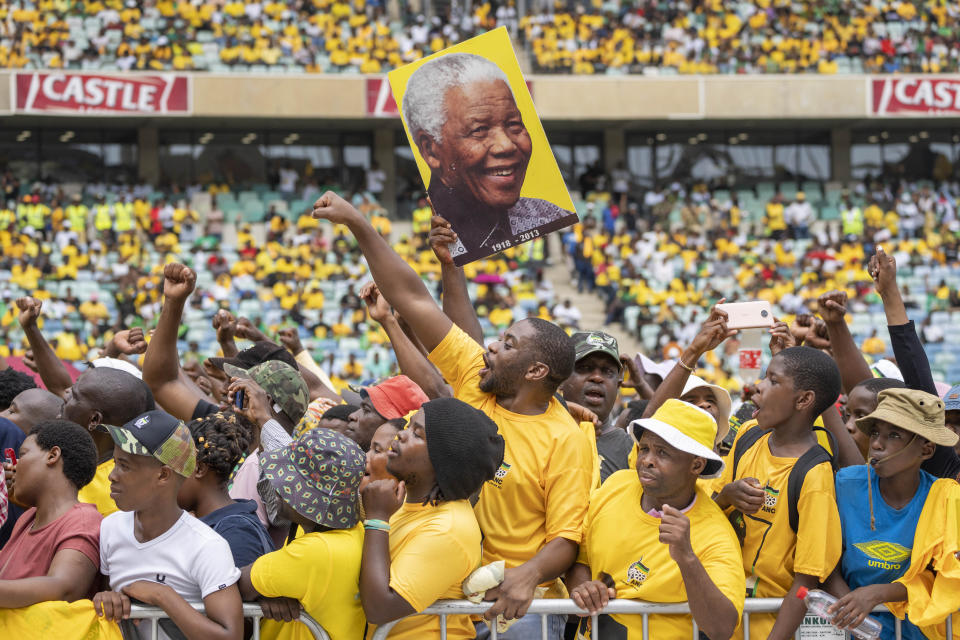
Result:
[32,407]
[107,396]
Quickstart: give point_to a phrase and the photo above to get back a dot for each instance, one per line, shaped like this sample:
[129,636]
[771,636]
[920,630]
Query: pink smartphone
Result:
[748,315]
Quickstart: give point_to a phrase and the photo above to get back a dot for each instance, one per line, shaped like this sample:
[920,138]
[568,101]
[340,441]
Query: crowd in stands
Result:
[623,36]
[299,36]
[745,37]
[249,477]
[659,265]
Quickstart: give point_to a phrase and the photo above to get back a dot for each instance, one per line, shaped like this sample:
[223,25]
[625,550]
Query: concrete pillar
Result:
[840,154]
[614,147]
[148,154]
[383,143]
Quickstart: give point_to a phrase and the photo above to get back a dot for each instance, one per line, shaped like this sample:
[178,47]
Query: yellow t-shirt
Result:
[432,551]
[98,491]
[322,571]
[772,552]
[542,489]
[620,539]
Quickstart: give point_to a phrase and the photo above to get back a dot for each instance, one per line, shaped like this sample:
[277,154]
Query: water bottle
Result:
[751,355]
[818,601]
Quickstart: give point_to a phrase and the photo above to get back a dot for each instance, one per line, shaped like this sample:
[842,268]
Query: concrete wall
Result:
[627,99]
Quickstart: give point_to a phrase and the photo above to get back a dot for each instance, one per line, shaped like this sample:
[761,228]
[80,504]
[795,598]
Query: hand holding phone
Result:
[747,315]
[238,398]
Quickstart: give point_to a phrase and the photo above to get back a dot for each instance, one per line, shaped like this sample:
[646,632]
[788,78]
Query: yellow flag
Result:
[60,620]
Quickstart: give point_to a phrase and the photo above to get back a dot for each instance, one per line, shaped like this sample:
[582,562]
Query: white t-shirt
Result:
[375,180]
[189,557]
[288,180]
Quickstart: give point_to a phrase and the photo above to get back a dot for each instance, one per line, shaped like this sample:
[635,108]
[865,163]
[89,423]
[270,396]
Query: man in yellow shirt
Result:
[778,557]
[532,512]
[652,533]
[317,480]
[431,543]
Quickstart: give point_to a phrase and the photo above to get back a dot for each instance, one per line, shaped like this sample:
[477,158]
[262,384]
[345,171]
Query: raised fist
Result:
[179,281]
[29,311]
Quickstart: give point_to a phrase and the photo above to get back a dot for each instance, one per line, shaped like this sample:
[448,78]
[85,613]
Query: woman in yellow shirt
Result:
[431,543]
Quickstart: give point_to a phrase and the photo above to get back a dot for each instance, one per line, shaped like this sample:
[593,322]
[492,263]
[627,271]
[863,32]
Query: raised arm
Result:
[907,349]
[853,368]
[456,300]
[398,283]
[909,352]
[226,327]
[412,362]
[713,332]
[381,604]
[49,366]
[161,364]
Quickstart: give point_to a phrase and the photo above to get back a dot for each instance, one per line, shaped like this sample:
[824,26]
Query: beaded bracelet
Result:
[377,525]
[684,365]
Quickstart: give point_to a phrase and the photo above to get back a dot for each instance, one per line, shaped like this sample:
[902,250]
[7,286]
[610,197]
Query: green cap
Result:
[161,436]
[281,382]
[587,342]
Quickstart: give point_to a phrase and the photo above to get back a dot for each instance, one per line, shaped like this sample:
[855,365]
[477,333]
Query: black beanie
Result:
[463,444]
[339,412]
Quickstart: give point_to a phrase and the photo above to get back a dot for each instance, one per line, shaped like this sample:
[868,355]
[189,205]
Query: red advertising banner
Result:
[77,93]
[905,96]
[380,100]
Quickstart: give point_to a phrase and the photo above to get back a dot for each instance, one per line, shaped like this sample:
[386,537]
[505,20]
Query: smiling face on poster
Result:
[480,146]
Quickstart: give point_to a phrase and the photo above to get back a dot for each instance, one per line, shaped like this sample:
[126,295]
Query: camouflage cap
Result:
[587,342]
[281,382]
[161,436]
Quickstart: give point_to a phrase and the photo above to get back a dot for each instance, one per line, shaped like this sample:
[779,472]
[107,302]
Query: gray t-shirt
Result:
[613,448]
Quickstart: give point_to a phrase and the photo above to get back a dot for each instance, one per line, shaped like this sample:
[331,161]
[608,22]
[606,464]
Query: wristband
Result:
[376,525]
[684,365]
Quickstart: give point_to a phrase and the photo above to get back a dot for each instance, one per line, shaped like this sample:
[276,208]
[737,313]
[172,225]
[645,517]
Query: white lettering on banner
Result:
[118,94]
[913,96]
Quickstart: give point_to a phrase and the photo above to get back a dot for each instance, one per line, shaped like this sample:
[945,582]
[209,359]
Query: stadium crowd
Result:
[505,461]
[910,36]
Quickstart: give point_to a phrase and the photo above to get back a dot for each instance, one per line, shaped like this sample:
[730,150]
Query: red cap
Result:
[396,397]
[802,592]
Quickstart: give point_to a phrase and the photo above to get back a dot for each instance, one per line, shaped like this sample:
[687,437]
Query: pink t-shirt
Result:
[245,484]
[28,554]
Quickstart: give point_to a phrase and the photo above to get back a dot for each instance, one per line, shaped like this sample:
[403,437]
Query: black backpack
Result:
[814,455]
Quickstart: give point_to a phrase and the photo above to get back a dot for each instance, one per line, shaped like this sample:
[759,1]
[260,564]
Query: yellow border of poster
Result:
[543,179]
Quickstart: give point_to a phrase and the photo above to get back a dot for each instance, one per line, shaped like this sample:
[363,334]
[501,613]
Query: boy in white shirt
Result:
[153,551]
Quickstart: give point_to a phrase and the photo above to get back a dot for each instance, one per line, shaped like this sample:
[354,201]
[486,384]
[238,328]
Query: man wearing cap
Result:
[393,398]
[152,550]
[653,534]
[890,510]
[595,384]
[274,397]
[422,539]
[316,479]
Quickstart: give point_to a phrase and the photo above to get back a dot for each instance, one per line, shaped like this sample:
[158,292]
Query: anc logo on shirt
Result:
[770,497]
[637,573]
[501,474]
[883,554]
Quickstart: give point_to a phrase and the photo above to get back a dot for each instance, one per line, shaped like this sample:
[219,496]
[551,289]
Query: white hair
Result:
[423,102]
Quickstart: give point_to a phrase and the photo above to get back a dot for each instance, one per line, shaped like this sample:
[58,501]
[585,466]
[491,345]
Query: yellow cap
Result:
[684,427]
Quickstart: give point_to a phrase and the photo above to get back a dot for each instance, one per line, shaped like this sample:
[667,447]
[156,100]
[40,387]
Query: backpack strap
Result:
[815,455]
[834,447]
[746,441]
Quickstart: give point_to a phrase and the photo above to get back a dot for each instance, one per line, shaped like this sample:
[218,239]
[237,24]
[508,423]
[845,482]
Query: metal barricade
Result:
[444,608]
[251,611]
